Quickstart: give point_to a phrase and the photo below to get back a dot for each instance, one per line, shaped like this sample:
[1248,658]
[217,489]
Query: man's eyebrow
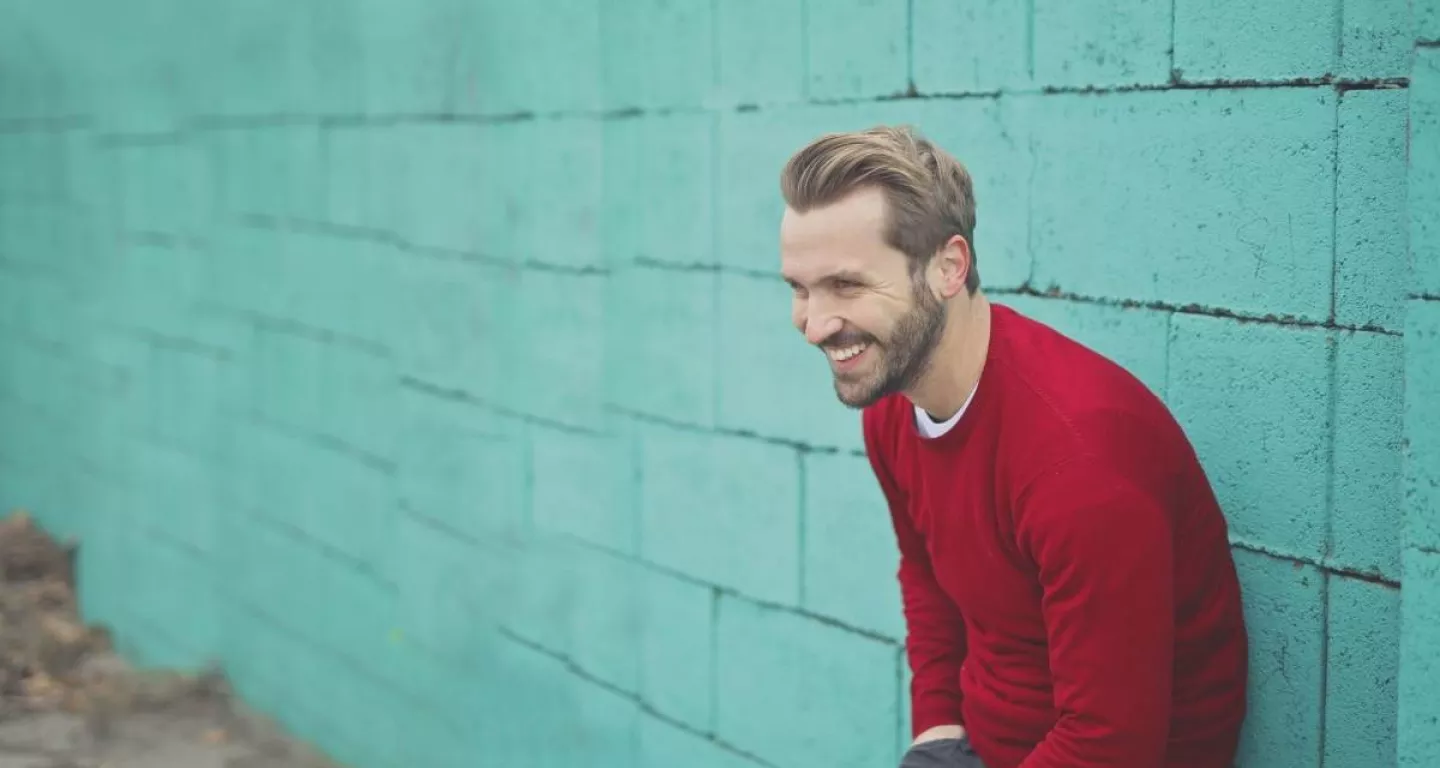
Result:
[845,275]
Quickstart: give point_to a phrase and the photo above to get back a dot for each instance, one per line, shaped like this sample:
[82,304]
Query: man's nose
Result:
[821,327]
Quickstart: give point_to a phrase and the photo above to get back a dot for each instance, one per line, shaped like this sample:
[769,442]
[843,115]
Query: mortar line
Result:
[1335,206]
[1339,36]
[1332,355]
[1189,309]
[1324,666]
[1169,342]
[901,696]
[637,487]
[800,526]
[1174,74]
[713,715]
[910,48]
[805,50]
[731,592]
[1030,40]
[715,57]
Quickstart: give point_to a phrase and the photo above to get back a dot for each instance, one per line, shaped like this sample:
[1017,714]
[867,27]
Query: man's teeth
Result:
[845,353]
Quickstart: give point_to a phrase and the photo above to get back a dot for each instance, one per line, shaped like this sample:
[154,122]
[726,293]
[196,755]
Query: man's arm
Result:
[935,633]
[1104,553]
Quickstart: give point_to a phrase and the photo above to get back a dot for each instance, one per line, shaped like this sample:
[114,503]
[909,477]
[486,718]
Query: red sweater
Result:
[1068,586]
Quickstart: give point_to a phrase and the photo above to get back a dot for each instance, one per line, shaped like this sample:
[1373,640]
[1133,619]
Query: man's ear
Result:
[953,261]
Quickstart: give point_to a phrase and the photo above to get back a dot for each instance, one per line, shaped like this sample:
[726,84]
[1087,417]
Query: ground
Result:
[68,701]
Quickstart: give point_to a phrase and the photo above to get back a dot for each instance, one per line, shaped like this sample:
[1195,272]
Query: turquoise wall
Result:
[425,362]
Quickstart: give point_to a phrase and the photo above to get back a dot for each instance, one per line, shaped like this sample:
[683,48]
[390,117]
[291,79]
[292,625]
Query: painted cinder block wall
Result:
[426,365]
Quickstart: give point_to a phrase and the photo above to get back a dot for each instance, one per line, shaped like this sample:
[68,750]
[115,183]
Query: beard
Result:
[901,359]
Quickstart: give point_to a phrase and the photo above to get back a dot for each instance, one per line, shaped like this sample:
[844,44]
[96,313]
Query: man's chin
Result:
[856,395]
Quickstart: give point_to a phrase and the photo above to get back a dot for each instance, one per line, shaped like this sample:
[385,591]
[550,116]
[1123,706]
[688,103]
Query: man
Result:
[1069,593]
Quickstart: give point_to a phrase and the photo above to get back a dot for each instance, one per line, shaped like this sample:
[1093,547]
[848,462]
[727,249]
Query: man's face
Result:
[857,298]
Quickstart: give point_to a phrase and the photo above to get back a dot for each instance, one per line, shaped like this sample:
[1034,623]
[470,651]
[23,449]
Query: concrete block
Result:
[794,691]
[1422,425]
[1235,177]
[658,189]
[1362,673]
[771,382]
[657,53]
[410,55]
[1284,615]
[1367,512]
[543,594]
[970,47]
[561,375]
[1135,338]
[175,492]
[754,146]
[676,647]
[284,370]
[991,139]
[558,180]
[1266,451]
[450,167]
[175,600]
[1376,39]
[156,285]
[662,744]
[274,171]
[663,320]
[561,72]
[586,486]
[1371,265]
[462,467]
[454,325]
[606,618]
[1101,43]
[187,394]
[451,590]
[163,188]
[1418,743]
[858,49]
[606,729]
[302,583]
[358,393]
[697,519]
[762,56]
[1234,40]
[1426,14]
[1424,183]
[347,502]
[850,556]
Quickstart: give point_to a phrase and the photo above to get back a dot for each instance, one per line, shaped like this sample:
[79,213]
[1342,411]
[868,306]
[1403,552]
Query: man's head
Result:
[875,242]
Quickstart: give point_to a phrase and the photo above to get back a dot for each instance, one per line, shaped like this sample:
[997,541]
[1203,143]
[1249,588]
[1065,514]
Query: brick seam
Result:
[1371,577]
[204,123]
[1188,309]
[731,593]
[645,707]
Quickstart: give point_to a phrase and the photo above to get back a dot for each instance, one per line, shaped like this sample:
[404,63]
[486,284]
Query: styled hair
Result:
[929,194]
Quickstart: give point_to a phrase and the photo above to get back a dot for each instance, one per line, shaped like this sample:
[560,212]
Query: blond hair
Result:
[929,194]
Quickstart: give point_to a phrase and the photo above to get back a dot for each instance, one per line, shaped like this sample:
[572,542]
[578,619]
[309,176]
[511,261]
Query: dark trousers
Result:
[942,753]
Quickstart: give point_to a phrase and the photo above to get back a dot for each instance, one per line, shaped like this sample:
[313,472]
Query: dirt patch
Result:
[68,701]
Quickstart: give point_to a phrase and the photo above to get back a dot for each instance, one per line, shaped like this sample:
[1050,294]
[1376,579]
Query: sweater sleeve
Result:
[935,642]
[1103,551]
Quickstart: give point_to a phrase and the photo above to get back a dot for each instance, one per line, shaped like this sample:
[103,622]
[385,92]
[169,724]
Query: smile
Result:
[846,353]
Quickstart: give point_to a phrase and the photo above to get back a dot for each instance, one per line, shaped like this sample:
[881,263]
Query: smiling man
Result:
[1068,589]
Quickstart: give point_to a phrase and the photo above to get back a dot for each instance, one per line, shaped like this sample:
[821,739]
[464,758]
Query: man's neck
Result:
[958,361]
